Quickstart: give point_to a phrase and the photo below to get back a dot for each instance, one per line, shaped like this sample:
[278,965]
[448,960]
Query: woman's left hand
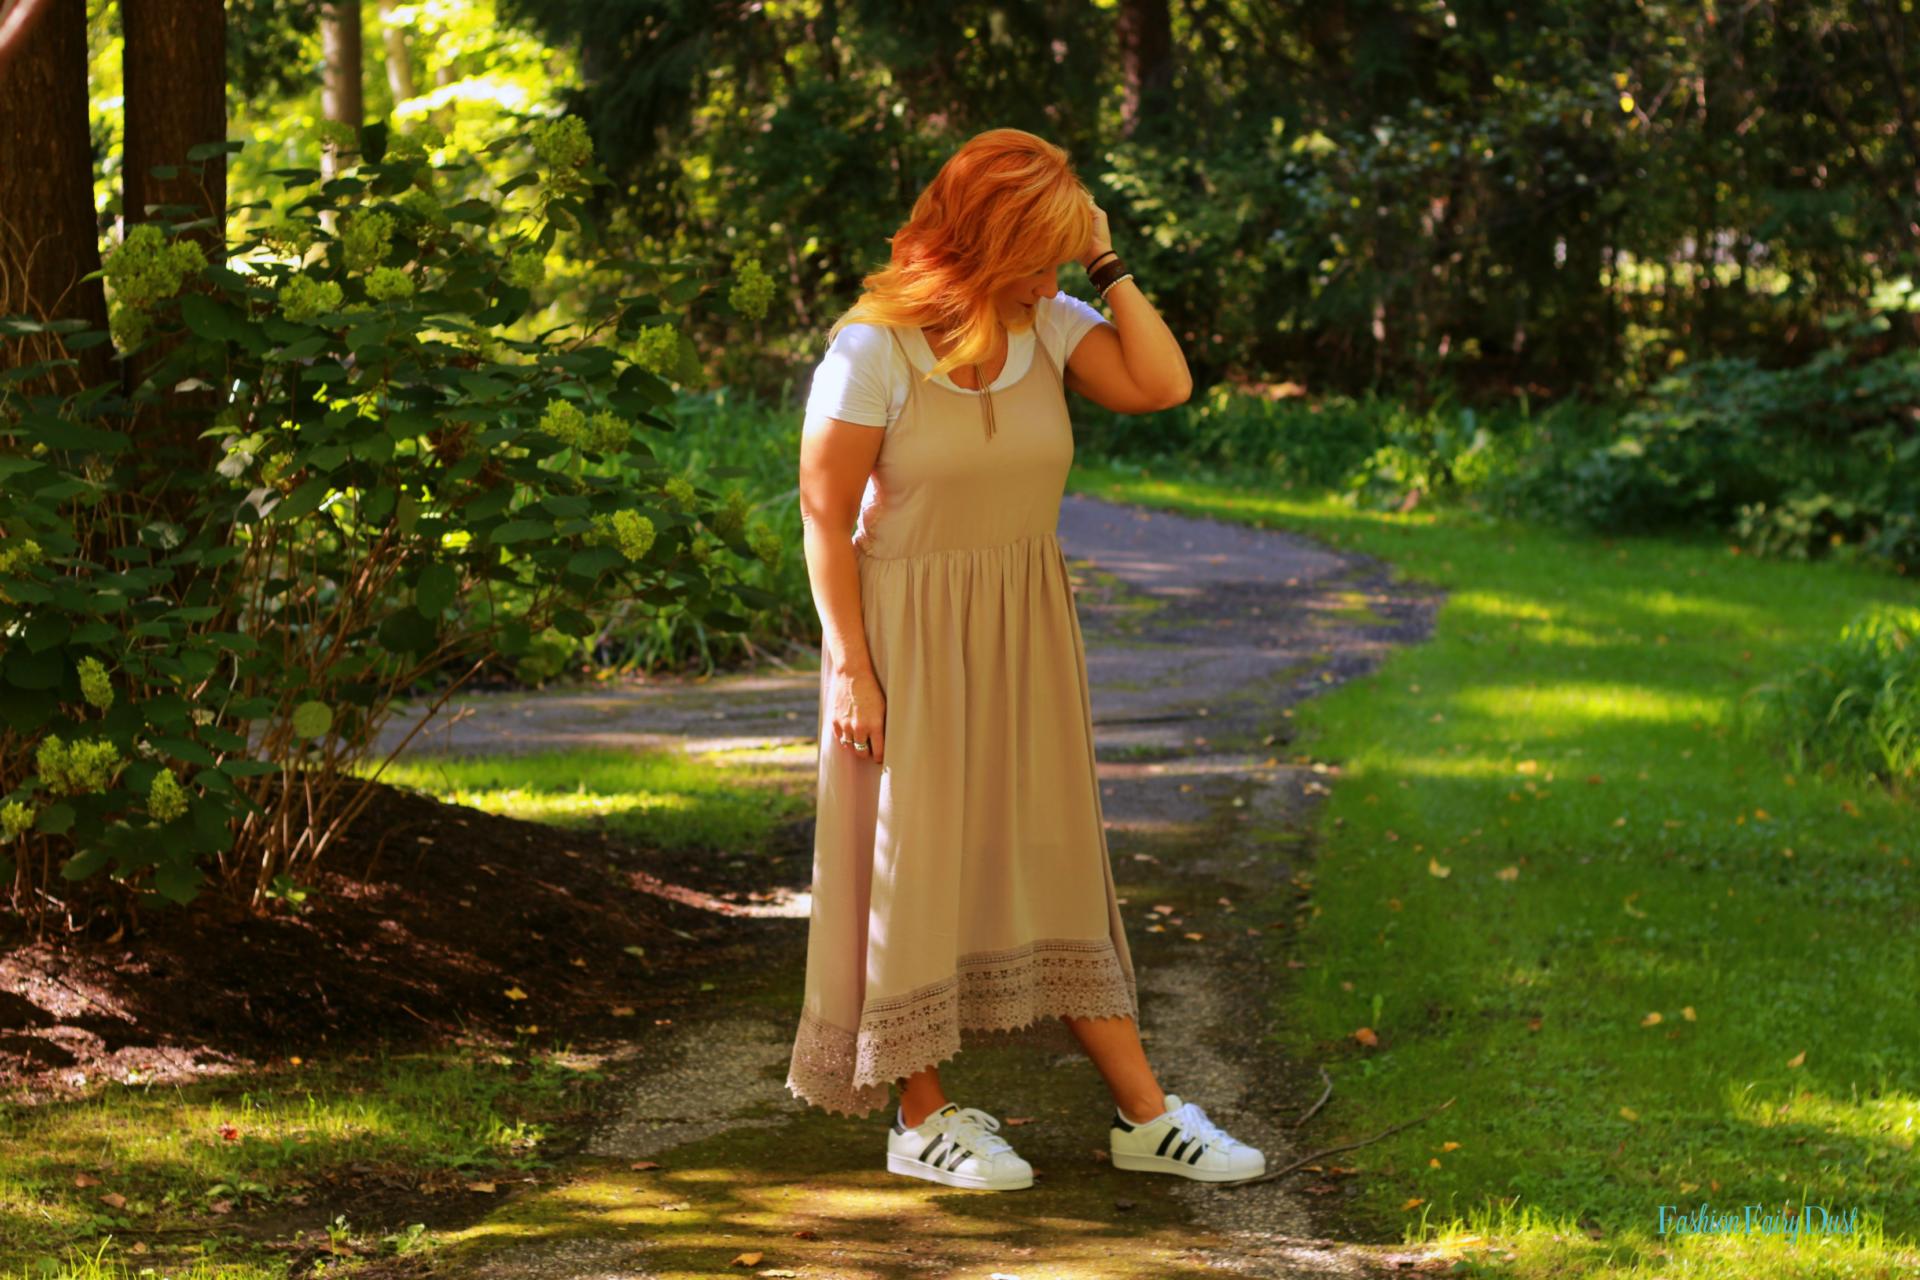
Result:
[1102,239]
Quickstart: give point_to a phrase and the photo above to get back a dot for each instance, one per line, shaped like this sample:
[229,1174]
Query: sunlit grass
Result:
[666,799]
[172,1154]
[1653,964]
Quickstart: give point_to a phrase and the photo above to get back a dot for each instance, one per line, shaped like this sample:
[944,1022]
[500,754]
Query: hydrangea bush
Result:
[402,479]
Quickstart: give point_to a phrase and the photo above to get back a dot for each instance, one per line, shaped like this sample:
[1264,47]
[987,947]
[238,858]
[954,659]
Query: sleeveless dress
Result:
[962,893]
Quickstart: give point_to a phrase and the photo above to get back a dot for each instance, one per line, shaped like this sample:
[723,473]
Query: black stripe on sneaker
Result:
[1172,1133]
[1197,1153]
[938,1138]
[1120,1123]
[959,1154]
[1182,1148]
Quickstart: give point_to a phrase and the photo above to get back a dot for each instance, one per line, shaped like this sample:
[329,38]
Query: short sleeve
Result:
[853,380]
[1073,320]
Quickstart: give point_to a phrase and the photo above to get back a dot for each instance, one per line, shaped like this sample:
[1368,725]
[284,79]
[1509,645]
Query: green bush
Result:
[1792,462]
[1854,707]
[385,481]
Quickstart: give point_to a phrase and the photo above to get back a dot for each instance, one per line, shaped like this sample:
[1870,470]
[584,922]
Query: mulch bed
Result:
[418,925]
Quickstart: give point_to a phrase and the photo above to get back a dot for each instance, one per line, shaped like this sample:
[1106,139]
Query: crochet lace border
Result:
[994,998]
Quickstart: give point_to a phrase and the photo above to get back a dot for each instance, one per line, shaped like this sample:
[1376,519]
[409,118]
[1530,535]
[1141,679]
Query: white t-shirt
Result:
[863,379]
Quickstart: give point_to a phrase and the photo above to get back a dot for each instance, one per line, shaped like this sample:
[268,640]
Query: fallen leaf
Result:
[1449,1146]
[1628,1113]
[1433,1162]
[221,1206]
[1019,1120]
[1507,873]
[1687,1013]
[675,1206]
[85,1180]
[487,1187]
[1163,909]
[748,1259]
[622,1011]
[1434,868]
[1417,1200]
[1195,936]
[229,1133]
[644,1165]
[114,1200]
[515,993]
[1651,1020]
[1366,1036]
[1797,1058]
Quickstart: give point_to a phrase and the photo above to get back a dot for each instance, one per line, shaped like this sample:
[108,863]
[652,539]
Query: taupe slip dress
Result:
[962,893]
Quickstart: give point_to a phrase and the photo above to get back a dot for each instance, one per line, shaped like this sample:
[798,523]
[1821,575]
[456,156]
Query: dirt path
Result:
[1200,636]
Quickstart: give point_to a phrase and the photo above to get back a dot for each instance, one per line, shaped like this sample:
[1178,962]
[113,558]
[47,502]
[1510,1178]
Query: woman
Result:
[962,893]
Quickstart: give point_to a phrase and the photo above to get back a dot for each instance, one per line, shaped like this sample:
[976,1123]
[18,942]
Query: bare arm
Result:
[836,457]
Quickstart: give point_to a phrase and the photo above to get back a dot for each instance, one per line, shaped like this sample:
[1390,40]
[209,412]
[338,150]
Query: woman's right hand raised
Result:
[859,714]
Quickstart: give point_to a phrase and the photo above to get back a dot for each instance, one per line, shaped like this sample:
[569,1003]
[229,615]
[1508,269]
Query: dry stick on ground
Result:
[1327,1093]
[1345,1146]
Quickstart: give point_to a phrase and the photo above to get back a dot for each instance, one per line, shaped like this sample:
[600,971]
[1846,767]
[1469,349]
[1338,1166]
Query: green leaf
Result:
[434,590]
[523,530]
[312,719]
[178,881]
[303,501]
[83,864]
[208,150]
[595,561]
[572,622]
[184,749]
[207,318]
[406,631]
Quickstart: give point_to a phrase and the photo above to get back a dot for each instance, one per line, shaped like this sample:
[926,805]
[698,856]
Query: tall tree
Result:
[1146,59]
[49,235]
[342,98]
[174,68]
[399,58]
[175,73]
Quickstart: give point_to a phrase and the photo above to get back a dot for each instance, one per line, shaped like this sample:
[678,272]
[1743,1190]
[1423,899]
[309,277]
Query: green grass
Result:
[261,1144]
[667,799]
[1571,726]
[447,1118]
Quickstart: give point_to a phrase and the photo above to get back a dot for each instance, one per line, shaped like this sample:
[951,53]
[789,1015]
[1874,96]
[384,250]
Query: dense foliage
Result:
[206,639]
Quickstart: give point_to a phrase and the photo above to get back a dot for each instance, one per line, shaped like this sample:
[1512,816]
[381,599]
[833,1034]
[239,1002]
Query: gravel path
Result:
[1200,635]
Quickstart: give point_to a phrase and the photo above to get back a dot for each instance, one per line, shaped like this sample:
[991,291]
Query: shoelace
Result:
[1191,1119]
[976,1128]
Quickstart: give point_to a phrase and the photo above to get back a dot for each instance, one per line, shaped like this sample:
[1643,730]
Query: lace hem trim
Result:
[994,998]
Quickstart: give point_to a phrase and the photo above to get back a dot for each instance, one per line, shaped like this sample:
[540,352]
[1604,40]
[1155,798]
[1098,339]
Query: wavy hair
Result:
[1007,204]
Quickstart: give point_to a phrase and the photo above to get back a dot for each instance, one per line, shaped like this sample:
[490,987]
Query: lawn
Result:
[1557,882]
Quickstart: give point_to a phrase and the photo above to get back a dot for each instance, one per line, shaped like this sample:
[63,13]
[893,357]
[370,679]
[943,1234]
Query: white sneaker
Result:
[1182,1140]
[957,1146]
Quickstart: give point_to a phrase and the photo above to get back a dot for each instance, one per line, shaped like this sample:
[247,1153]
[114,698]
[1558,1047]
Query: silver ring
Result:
[863,746]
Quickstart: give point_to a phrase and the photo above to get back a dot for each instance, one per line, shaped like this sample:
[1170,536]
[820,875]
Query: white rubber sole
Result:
[897,1163]
[1150,1163]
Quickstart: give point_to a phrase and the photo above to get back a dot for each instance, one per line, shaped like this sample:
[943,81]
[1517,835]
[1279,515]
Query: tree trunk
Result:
[49,235]
[1146,61]
[399,59]
[341,98]
[175,69]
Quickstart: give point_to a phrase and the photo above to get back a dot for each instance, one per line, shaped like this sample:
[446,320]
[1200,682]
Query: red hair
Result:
[1007,204]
